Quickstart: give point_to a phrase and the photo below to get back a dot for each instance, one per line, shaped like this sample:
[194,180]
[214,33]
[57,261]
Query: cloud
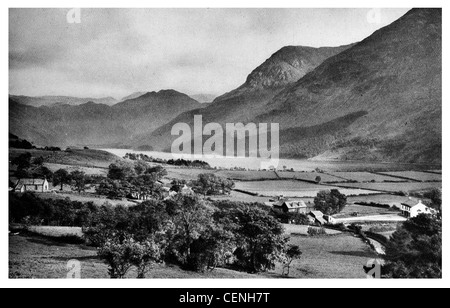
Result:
[114,52]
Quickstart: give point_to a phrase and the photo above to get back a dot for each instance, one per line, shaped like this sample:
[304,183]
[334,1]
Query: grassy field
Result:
[247,175]
[309,176]
[338,256]
[417,176]
[187,174]
[365,177]
[40,257]
[241,197]
[84,158]
[70,168]
[380,199]
[362,211]
[96,199]
[303,230]
[395,187]
[292,188]
[56,231]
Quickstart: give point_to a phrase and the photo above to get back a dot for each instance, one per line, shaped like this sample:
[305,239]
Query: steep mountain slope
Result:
[385,94]
[37,101]
[377,100]
[283,68]
[97,124]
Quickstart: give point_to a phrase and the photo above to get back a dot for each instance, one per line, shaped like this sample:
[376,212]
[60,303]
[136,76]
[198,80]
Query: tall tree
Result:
[61,177]
[330,202]
[415,249]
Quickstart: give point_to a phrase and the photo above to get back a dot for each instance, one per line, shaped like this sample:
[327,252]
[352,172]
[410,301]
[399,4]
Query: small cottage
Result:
[34,185]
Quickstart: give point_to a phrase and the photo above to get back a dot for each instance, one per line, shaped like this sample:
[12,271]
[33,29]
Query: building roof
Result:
[31,181]
[411,202]
[321,220]
[316,214]
[291,204]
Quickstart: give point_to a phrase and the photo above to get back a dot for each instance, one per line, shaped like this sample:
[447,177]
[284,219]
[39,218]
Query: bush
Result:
[378,237]
[339,226]
[315,231]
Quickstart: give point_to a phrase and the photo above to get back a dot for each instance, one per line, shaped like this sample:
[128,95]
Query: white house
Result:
[413,207]
[35,185]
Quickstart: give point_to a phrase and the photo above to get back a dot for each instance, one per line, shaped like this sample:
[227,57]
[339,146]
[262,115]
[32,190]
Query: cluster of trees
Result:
[415,249]
[186,230]
[211,184]
[126,178]
[330,202]
[174,162]
[29,167]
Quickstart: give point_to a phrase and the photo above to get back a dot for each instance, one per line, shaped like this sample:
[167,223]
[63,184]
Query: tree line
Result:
[186,230]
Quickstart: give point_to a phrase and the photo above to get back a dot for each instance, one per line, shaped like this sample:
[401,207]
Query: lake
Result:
[296,164]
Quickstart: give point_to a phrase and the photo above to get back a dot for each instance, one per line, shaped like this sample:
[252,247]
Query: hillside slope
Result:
[37,101]
[97,124]
[283,68]
[379,100]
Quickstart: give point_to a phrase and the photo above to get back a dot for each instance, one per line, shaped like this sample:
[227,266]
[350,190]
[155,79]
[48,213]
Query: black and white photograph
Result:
[211,143]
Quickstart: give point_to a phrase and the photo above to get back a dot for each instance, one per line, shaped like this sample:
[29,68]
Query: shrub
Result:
[315,231]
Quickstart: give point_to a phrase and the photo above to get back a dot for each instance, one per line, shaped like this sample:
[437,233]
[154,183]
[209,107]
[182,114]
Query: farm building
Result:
[36,185]
[330,219]
[292,206]
[413,207]
[317,217]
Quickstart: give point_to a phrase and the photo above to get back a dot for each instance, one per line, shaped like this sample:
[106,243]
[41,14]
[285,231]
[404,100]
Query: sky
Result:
[115,52]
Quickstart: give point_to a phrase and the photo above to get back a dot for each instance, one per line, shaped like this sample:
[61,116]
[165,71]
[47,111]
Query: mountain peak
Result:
[288,65]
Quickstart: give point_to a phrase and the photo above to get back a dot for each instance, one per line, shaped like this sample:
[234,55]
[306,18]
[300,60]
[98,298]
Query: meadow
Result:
[365,177]
[292,188]
[417,176]
[309,176]
[394,187]
[337,256]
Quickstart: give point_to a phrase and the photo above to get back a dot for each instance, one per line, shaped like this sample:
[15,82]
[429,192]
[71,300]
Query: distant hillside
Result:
[132,95]
[283,68]
[377,100]
[95,124]
[37,101]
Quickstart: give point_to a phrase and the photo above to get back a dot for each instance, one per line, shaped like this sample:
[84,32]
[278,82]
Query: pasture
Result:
[292,188]
[395,187]
[77,157]
[362,211]
[309,176]
[38,257]
[294,230]
[243,175]
[365,177]
[96,199]
[417,176]
[338,256]
[87,170]
[380,199]
[187,174]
